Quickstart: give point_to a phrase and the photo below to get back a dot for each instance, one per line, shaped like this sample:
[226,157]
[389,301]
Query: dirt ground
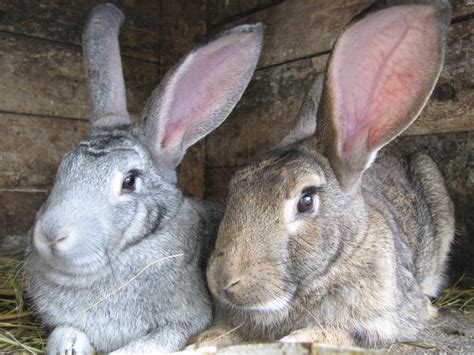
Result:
[451,332]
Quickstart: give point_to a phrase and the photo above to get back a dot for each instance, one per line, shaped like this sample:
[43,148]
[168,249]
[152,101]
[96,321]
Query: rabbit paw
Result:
[68,341]
[316,335]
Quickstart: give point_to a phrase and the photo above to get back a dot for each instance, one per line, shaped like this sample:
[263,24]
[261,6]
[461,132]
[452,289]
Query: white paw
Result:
[68,341]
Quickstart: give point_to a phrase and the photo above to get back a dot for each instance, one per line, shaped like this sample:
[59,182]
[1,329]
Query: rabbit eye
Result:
[129,182]
[305,204]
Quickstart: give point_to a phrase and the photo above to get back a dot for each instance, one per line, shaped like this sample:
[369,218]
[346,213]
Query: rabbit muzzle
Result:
[248,280]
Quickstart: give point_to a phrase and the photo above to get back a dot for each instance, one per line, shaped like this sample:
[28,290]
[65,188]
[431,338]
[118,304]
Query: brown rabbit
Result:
[320,243]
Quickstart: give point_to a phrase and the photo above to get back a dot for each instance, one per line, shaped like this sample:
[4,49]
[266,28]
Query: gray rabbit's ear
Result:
[381,73]
[305,124]
[104,67]
[200,92]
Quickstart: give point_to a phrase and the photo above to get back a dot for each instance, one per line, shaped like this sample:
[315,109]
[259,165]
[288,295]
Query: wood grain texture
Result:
[451,108]
[462,9]
[222,11]
[267,110]
[32,148]
[47,78]
[18,211]
[301,28]
[183,26]
[63,20]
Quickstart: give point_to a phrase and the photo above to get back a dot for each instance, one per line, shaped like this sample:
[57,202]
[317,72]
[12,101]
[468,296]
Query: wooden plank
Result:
[267,110]
[32,148]
[462,9]
[63,21]
[222,11]
[47,78]
[183,26]
[450,108]
[301,28]
[18,210]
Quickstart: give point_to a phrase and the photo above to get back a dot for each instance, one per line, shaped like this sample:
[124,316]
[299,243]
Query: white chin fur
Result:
[272,306]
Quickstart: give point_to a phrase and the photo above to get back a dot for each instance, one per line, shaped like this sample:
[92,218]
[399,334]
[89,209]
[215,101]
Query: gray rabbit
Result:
[320,241]
[116,254]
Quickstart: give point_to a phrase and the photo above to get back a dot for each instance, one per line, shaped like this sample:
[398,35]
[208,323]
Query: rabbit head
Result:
[119,183]
[298,212]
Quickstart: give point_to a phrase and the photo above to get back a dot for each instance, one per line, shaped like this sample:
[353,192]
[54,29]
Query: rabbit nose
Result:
[231,287]
[54,238]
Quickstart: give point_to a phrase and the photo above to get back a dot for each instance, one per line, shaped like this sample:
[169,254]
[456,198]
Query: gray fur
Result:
[360,267]
[121,270]
[104,66]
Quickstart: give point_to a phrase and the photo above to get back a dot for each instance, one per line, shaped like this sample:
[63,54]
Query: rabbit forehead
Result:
[280,172]
[96,158]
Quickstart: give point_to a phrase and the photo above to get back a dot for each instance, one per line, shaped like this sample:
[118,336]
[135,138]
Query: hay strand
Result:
[19,332]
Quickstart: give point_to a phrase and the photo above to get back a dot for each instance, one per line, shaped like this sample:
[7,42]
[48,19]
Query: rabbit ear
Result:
[305,124]
[200,92]
[104,67]
[381,73]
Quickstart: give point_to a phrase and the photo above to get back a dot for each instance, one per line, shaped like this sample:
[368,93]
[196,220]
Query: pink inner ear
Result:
[203,85]
[381,72]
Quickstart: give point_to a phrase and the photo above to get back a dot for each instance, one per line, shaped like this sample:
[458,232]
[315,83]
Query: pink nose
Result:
[54,238]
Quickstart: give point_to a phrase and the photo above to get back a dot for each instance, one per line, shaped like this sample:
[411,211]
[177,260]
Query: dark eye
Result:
[128,184]
[305,204]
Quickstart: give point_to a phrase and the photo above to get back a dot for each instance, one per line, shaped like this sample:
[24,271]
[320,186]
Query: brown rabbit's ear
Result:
[305,124]
[104,67]
[381,73]
[200,92]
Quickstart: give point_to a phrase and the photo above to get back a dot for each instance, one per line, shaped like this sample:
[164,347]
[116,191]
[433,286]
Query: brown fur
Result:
[359,269]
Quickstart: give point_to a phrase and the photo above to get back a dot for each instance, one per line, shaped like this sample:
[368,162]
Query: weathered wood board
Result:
[301,28]
[269,106]
[18,210]
[32,147]
[462,9]
[63,21]
[224,11]
[47,78]
[451,106]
